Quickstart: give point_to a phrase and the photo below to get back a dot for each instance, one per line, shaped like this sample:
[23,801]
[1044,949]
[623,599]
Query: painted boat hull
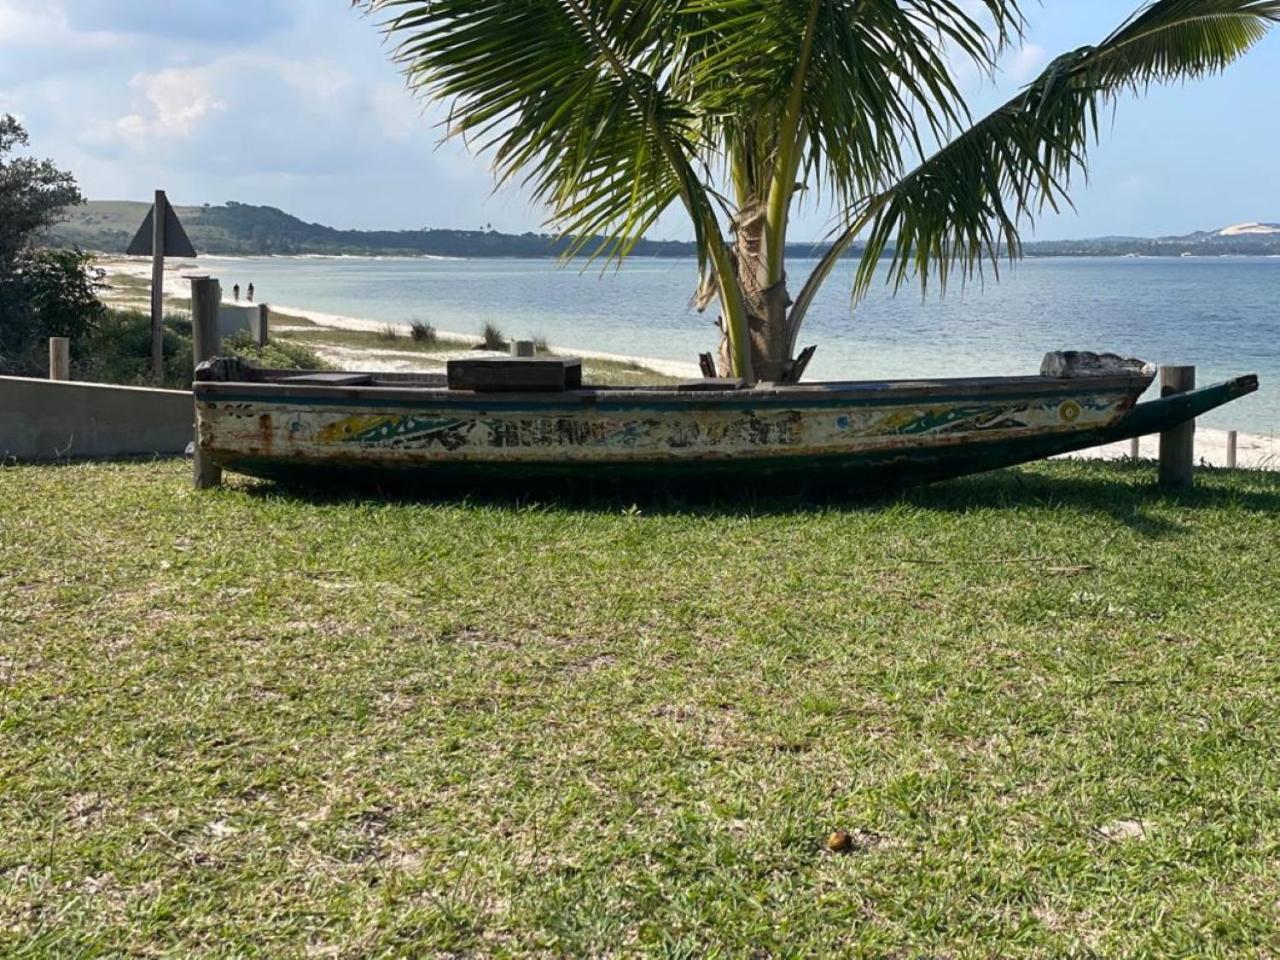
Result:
[851,436]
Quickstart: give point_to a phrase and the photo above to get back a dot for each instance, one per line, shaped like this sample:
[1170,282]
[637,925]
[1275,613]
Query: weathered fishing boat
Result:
[520,419]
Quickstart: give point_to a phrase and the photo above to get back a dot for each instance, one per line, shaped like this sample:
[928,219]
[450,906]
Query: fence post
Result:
[1177,446]
[523,348]
[1135,448]
[59,358]
[206,298]
[261,333]
[1233,442]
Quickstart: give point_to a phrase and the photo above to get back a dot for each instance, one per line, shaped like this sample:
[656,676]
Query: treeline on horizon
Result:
[245,229]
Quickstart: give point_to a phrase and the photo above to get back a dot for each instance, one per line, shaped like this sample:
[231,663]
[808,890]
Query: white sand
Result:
[1254,451]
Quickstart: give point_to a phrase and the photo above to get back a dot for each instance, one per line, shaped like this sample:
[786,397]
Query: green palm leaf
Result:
[964,205]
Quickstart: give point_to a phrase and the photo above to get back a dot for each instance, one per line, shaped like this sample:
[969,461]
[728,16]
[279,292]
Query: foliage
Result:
[540,343]
[42,293]
[119,351]
[34,194]
[423,332]
[277,354]
[492,337]
[250,723]
[388,331]
[612,112]
[46,293]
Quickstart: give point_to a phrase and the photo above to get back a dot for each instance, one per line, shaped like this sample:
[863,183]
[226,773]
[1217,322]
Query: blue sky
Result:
[293,103]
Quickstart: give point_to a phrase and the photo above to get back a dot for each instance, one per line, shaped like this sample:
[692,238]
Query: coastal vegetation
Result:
[1032,712]
[737,110]
[43,293]
[243,229]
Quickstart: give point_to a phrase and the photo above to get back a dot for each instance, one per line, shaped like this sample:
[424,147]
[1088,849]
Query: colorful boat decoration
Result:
[857,436]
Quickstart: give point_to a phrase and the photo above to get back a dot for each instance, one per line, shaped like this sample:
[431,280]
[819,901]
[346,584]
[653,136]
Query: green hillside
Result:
[107,226]
[237,228]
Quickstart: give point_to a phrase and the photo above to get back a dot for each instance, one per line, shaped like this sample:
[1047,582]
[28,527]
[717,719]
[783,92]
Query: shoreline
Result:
[1254,450]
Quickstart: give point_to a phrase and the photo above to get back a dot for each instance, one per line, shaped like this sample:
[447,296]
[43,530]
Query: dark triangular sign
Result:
[176,243]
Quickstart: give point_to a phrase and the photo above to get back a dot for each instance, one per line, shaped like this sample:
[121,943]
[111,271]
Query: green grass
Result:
[248,723]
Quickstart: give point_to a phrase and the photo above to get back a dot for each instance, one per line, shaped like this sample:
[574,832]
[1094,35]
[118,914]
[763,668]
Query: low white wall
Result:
[54,420]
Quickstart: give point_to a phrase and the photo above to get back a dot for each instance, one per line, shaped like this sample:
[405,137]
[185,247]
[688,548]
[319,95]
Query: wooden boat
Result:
[515,420]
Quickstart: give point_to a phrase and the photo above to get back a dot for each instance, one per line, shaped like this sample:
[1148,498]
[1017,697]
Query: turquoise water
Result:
[1223,315]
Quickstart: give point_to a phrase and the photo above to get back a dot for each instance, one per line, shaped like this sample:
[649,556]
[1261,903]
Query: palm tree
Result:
[613,111]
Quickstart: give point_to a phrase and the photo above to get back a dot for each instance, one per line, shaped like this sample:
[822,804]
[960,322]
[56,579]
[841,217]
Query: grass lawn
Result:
[1043,705]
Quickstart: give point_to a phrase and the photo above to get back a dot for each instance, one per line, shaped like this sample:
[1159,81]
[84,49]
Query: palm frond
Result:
[965,205]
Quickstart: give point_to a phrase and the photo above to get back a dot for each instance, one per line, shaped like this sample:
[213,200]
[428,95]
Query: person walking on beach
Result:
[251,293]
[235,292]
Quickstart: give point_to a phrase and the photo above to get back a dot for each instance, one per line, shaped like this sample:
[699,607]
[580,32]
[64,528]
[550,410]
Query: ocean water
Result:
[1223,315]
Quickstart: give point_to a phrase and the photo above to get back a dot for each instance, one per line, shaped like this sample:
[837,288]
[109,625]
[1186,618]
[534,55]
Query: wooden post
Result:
[206,298]
[1135,448]
[158,217]
[262,334]
[1233,442]
[1177,446]
[523,348]
[59,358]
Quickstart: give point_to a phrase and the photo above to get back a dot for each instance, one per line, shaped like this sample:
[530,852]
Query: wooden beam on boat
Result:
[525,374]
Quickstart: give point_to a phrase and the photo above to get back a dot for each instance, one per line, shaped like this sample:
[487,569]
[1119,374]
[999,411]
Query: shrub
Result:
[388,332]
[48,293]
[423,332]
[119,351]
[540,344]
[276,355]
[492,337]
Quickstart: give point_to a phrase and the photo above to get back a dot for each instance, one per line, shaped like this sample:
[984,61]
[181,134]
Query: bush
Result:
[48,293]
[119,351]
[276,355]
[492,337]
[540,344]
[423,332]
[388,332]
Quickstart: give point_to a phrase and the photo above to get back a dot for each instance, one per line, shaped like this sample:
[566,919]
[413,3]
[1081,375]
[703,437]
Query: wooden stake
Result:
[159,214]
[1135,448]
[1233,442]
[206,298]
[59,358]
[1177,446]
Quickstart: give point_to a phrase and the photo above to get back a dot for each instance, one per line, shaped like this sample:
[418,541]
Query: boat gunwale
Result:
[874,392]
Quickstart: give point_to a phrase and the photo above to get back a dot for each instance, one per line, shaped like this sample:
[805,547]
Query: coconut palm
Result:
[613,111]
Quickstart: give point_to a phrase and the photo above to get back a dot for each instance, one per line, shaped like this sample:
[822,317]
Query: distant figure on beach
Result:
[251,293]
[235,292]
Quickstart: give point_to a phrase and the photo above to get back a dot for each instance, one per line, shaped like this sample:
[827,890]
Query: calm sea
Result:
[1223,315]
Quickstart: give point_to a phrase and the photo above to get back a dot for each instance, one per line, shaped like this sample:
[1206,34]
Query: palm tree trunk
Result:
[766,306]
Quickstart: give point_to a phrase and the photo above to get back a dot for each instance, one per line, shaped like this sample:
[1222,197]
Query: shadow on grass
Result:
[1125,492]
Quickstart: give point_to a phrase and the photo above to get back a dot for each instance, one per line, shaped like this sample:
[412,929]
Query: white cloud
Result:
[176,102]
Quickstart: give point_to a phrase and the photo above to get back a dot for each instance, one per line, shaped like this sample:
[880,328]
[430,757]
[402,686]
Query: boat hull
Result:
[858,437]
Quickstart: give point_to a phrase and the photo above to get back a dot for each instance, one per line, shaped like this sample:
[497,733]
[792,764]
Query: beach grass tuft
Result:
[492,337]
[1029,714]
[422,332]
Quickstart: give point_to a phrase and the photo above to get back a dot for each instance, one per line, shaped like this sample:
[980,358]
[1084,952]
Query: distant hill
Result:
[238,228]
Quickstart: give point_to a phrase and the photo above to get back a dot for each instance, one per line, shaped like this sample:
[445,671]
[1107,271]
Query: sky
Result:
[295,104]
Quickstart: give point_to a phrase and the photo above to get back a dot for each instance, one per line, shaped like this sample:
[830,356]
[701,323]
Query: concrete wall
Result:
[52,420]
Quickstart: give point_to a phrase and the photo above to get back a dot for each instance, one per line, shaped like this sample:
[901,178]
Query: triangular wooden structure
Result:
[176,243]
